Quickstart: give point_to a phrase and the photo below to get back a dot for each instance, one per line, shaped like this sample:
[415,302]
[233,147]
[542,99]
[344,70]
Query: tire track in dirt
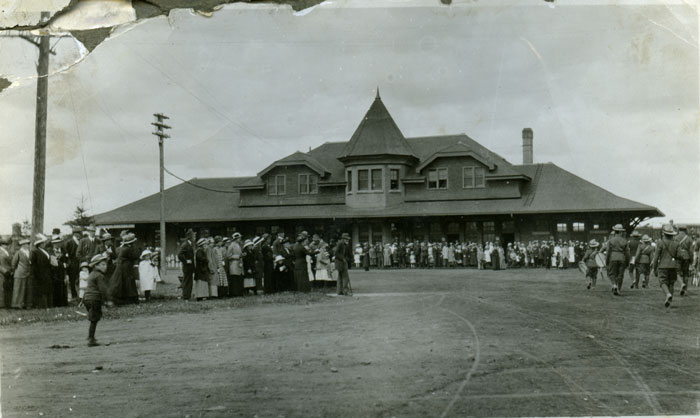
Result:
[648,394]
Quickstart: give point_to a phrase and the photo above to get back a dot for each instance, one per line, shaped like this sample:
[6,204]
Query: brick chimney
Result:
[527,146]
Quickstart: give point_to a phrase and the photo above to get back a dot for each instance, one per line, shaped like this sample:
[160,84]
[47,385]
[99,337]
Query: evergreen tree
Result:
[81,217]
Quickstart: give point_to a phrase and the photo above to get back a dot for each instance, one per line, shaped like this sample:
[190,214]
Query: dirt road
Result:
[410,343]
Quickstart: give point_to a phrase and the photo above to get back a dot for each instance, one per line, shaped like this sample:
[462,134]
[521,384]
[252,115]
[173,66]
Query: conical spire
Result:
[377,134]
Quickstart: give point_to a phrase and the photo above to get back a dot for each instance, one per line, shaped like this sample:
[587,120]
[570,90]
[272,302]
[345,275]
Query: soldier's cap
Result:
[97,259]
[636,233]
[668,230]
[618,228]
[646,238]
[593,243]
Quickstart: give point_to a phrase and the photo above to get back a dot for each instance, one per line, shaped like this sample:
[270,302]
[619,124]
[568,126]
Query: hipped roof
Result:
[552,190]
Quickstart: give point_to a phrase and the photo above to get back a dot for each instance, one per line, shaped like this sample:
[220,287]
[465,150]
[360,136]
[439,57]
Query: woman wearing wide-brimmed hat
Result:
[58,271]
[200,289]
[122,284]
[40,259]
[22,288]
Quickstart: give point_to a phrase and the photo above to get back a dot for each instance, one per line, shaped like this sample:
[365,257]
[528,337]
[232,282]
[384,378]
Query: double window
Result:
[473,177]
[308,184]
[370,179]
[579,227]
[561,227]
[437,178]
[276,185]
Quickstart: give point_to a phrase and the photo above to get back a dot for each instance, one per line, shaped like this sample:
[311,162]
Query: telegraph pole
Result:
[42,88]
[160,133]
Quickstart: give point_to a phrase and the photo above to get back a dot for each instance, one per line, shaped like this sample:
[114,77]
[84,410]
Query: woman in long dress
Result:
[122,285]
[147,275]
[323,261]
[200,291]
[387,256]
[21,291]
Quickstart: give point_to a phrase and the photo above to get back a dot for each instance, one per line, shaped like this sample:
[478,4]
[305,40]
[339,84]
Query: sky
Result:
[610,91]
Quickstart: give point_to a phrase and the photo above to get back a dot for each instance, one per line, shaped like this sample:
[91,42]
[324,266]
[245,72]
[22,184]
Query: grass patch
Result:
[162,303]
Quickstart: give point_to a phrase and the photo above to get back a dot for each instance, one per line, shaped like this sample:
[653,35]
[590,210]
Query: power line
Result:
[197,185]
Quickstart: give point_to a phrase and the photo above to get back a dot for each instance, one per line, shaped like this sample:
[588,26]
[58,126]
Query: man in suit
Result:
[664,262]
[5,274]
[341,265]
[73,263]
[186,257]
[40,260]
[618,255]
[87,248]
[685,255]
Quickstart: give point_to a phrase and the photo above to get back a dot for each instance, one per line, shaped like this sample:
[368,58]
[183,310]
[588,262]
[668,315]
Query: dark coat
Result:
[201,268]
[122,284]
[87,248]
[42,283]
[186,255]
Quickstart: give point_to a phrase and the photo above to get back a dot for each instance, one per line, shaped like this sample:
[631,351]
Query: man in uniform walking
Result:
[664,263]
[341,265]
[618,255]
[634,244]
[684,256]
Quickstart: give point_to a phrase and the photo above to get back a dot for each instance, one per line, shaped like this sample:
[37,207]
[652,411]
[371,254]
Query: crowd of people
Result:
[91,269]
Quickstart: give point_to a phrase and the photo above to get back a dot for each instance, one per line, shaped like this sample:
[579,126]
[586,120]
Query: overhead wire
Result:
[198,185]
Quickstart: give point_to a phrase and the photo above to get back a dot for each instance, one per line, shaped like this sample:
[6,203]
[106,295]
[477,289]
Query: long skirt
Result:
[301,278]
[21,292]
[60,293]
[235,285]
[123,285]
[213,286]
[322,274]
[200,289]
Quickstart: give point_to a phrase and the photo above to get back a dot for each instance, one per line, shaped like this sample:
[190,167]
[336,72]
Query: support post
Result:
[160,126]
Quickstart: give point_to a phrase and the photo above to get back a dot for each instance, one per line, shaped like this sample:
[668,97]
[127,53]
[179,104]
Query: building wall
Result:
[325,195]
[455,190]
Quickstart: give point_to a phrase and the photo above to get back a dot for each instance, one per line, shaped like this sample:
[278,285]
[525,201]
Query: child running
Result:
[589,259]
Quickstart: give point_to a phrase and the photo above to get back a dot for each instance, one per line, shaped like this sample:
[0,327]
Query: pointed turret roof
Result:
[377,134]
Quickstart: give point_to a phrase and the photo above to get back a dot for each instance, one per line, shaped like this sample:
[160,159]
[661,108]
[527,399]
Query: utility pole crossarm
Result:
[161,135]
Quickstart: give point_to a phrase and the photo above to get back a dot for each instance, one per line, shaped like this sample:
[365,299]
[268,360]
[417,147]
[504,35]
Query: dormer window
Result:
[437,178]
[276,185]
[308,184]
[473,177]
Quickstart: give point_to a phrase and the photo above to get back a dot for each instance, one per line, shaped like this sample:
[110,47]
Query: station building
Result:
[381,186]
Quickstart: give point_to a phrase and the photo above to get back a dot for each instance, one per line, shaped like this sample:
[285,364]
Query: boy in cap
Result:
[95,293]
[589,259]
[642,261]
[664,261]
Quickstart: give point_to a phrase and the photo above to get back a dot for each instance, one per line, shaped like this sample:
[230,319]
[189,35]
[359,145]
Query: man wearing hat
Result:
[88,245]
[22,286]
[40,260]
[642,258]
[664,262]
[106,247]
[186,257]
[5,274]
[589,259]
[96,292]
[633,244]
[341,265]
[684,256]
[618,255]
[73,261]
[58,271]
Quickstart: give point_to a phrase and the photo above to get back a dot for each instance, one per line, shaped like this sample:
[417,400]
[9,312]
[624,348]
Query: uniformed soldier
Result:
[617,257]
[664,262]
[634,244]
[684,256]
[642,258]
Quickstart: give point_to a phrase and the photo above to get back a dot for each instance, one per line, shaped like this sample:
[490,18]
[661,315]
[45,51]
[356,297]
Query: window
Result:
[362,179]
[541,225]
[579,227]
[437,178]
[561,227]
[489,228]
[377,183]
[349,180]
[308,184]
[472,177]
[394,179]
[276,185]
[596,227]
